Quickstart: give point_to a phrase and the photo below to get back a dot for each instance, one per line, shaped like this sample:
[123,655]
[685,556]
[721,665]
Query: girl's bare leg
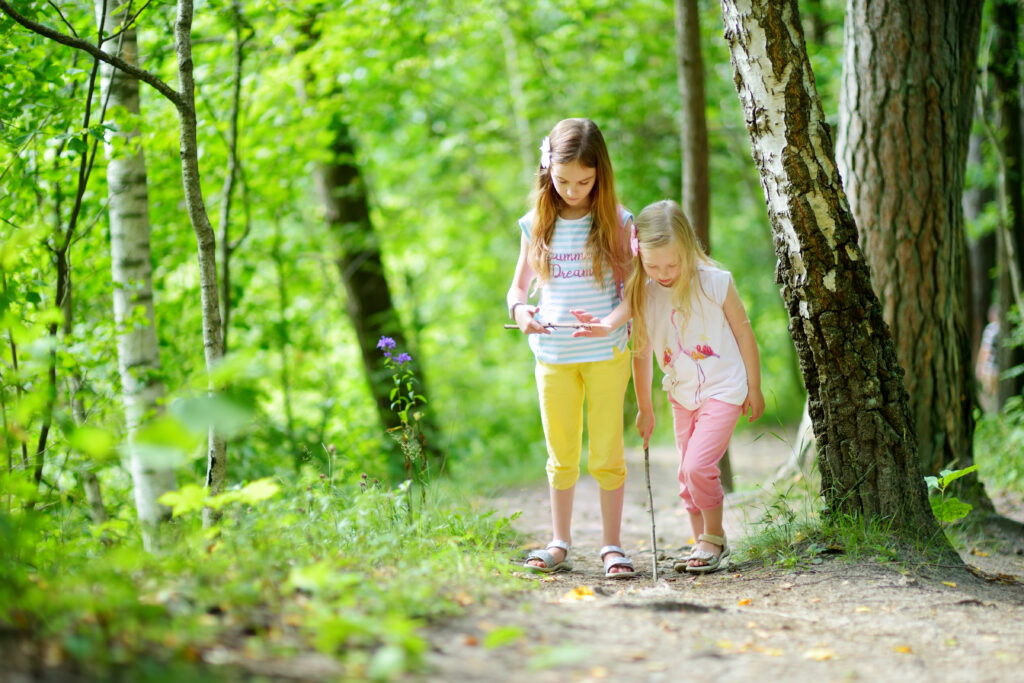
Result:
[706,522]
[561,521]
[611,521]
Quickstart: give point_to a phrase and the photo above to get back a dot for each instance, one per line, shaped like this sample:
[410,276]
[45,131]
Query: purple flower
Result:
[386,343]
[403,358]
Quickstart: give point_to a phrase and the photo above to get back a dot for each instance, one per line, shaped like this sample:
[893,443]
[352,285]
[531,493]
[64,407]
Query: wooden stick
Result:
[554,326]
[650,502]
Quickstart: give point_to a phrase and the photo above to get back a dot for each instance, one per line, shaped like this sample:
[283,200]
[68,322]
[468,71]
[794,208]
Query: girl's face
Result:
[662,264]
[573,183]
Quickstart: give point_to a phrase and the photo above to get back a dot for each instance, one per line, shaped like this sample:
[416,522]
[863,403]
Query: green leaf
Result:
[77,145]
[189,498]
[951,509]
[93,441]
[502,636]
[948,476]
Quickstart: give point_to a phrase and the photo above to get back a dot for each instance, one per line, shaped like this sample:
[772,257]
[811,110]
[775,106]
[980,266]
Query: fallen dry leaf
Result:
[471,640]
[862,608]
[580,593]
[951,584]
[979,553]
[743,602]
[819,654]
[902,649]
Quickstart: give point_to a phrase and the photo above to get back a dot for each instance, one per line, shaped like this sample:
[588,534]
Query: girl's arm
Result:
[736,314]
[602,328]
[642,374]
[518,294]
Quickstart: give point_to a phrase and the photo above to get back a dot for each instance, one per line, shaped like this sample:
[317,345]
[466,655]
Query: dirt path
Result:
[826,622]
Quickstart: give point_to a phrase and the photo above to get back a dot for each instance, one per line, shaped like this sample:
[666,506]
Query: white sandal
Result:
[550,566]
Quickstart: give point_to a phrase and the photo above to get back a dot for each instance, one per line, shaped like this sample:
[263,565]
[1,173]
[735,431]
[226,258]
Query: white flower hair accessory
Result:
[545,152]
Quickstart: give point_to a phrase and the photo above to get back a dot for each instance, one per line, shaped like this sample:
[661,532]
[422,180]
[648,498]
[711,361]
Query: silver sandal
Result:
[550,566]
[616,562]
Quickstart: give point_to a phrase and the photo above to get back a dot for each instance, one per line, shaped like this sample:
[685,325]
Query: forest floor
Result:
[836,620]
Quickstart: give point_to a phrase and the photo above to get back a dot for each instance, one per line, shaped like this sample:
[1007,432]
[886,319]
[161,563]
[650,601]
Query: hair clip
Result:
[634,242]
[545,152]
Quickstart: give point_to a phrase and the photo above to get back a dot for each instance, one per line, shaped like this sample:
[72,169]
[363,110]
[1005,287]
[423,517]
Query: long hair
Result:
[579,140]
[658,225]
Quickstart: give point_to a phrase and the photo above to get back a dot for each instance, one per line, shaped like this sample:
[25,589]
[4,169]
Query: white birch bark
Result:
[137,348]
[213,342]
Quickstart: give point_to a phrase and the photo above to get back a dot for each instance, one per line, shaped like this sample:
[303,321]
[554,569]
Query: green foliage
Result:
[295,564]
[791,533]
[998,443]
[948,509]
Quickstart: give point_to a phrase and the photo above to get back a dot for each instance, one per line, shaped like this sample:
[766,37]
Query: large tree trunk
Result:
[858,405]
[137,350]
[904,124]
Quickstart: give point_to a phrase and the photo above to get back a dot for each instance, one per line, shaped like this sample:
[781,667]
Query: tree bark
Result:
[138,351]
[370,307]
[904,123]
[693,142]
[213,344]
[694,130]
[858,405]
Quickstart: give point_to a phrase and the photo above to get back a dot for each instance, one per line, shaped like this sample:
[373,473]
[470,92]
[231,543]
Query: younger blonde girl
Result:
[687,314]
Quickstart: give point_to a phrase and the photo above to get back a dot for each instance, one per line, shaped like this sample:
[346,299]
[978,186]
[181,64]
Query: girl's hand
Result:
[753,402]
[527,323]
[645,425]
[594,326]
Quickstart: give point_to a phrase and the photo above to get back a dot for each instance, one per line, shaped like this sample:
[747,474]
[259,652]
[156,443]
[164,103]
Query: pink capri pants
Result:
[702,435]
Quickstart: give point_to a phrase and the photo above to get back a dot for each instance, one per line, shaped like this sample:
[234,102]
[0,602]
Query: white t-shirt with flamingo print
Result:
[700,357]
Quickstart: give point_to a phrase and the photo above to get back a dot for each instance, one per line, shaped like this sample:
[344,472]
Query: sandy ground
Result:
[833,621]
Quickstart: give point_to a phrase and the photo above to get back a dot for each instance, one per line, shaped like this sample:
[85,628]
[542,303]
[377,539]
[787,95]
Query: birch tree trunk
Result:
[213,344]
[858,405]
[905,111]
[185,104]
[137,350]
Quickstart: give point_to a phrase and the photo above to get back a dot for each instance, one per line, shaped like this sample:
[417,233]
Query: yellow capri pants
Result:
[562,388]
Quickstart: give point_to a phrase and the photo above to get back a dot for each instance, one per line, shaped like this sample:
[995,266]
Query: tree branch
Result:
[146,77]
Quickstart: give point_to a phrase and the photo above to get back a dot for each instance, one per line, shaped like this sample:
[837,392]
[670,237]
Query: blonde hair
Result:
[658,225]
[579,140]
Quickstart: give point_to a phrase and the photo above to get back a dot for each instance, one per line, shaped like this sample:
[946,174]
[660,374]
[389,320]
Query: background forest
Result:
[435,111]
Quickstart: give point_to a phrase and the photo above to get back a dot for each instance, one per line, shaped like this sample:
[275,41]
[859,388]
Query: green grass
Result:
[350,571]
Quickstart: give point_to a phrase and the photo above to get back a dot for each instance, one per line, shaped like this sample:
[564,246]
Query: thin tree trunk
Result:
[227,247]
[184,102]
[982,251]
[138,351]
[85,471]
[858,405]
[694,131]
[1005,69]
[913,63]
[213,345]
[370,307]
[693,142]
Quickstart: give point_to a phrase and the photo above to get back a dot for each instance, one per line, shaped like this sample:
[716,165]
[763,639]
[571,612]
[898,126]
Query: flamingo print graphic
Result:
[696,354]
